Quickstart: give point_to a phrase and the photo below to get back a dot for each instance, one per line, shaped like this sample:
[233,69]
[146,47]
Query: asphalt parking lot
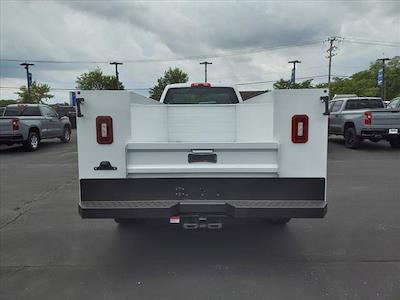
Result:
[48,252]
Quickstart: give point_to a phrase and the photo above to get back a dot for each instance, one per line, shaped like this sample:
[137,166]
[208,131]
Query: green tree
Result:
[5,102]
[96,80]
[284,84]
[175,75]
[363,83]
[39,93]
[281,84]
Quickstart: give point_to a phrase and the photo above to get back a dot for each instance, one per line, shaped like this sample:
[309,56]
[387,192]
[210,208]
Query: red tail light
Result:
[201,84]
[15,124]
[299,129]
[368,118]
[104,129]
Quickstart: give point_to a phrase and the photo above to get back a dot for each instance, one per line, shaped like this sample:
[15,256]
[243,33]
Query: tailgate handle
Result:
[202,156]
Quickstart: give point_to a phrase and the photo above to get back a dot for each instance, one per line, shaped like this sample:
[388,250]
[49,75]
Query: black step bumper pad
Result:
[232,197]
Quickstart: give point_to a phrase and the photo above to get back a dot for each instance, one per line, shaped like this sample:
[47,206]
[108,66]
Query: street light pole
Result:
[205,63]
[383,85]
[116,71]
[294,62]
[28,78]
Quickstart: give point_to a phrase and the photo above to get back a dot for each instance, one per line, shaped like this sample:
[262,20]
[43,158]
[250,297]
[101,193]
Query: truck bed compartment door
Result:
[202,159]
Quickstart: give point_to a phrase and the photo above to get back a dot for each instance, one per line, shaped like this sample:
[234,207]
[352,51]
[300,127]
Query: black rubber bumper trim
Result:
[307,209]
[236,197]
[384,133]
[11,138]
[142,189]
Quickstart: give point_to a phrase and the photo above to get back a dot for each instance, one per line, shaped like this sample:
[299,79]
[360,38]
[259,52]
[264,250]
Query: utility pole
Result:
[293,77]
[381,77]
[28,78]
[205,63]
[116,71]
[331,53]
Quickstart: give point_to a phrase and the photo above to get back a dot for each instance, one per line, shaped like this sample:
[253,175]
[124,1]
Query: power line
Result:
[306,77]
[372,43]
[238,53]
[366,40]
[66,89]
[148,88]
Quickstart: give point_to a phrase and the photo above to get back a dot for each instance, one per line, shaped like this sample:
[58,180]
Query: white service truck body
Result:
[262,158]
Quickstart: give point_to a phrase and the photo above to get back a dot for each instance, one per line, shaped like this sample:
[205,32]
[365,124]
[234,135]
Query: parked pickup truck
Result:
[30,123]
[359,118]
[201,156]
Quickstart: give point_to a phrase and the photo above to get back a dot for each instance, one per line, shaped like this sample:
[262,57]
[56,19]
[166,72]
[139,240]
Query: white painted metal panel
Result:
[254,122]
[308,159]
[104,103]
[201,123]
[153,139]
[178,146]
[232,159]
[149,123]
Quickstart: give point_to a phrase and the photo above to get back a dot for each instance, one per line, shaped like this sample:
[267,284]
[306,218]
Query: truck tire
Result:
[395,142]
[66,135]
[279,221]
[351,140]
[32,143]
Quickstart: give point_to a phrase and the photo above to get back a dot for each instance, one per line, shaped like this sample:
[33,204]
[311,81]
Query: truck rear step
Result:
[238,197]
[232,208]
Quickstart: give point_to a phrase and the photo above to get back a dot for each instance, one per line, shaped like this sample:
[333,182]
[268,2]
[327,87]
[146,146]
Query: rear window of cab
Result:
[22,110]
[201,95]
[364,104]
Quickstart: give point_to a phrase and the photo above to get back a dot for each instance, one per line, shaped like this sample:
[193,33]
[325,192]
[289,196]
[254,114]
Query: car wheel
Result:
[395,142]
[279,221]
[67,135]
[32,142]
[351,140]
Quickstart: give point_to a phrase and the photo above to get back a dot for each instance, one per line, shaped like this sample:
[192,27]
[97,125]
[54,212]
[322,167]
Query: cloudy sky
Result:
[247,41]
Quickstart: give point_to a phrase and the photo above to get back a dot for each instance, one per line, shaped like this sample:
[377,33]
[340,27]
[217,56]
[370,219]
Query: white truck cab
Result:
[201,156]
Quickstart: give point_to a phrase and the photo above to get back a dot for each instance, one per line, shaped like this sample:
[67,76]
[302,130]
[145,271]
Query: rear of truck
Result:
[202,157]
[382,124]
[10,131]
